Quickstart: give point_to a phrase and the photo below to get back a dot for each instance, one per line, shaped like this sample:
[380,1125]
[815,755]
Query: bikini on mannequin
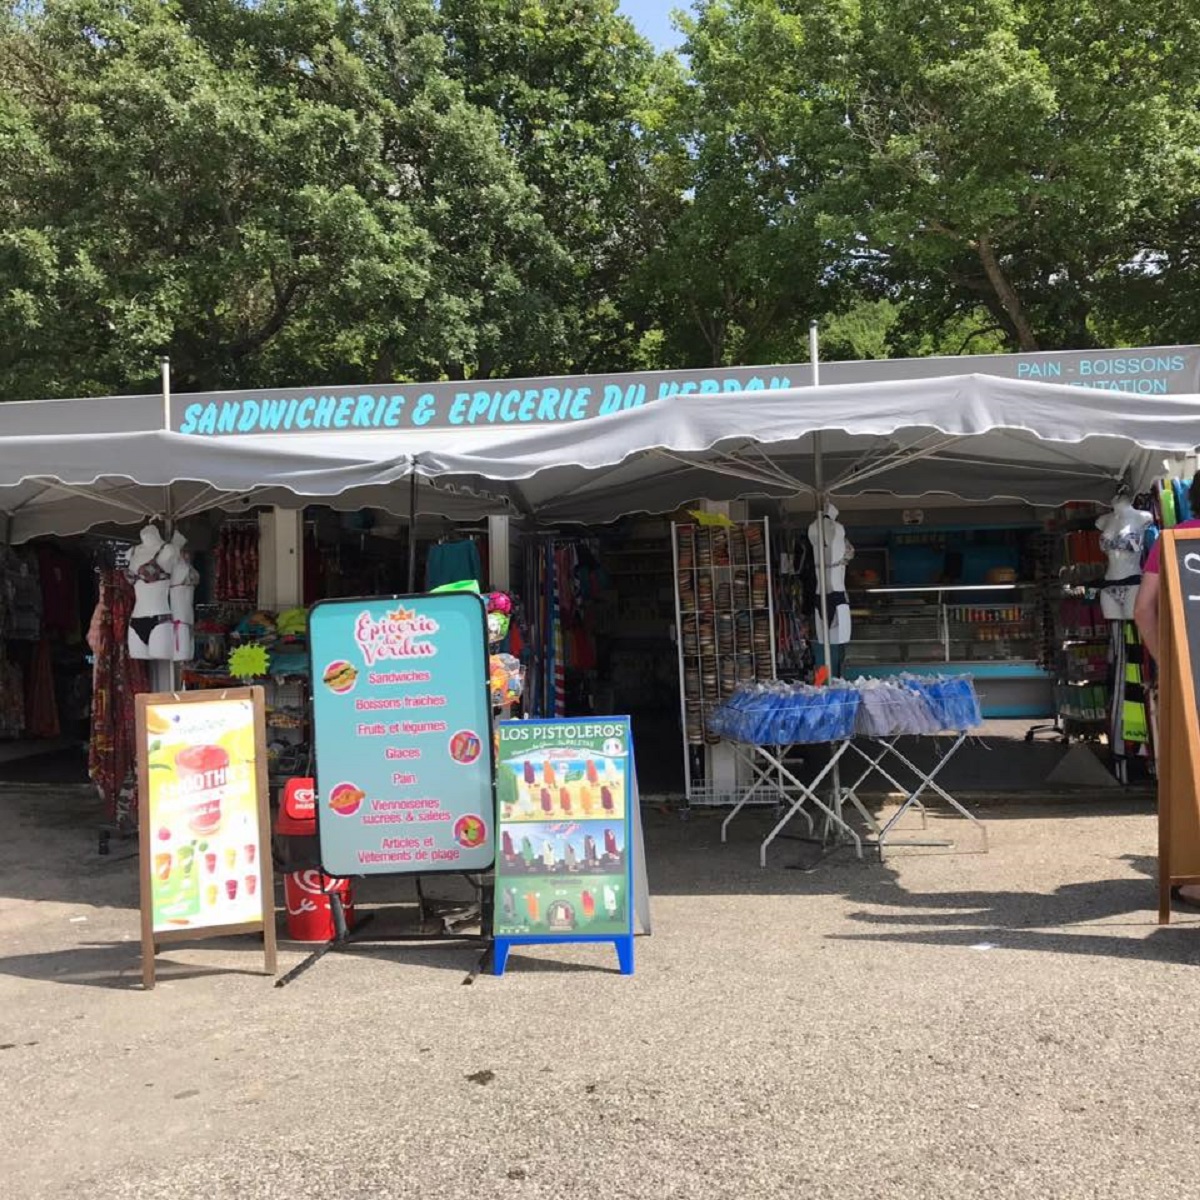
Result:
[838,552]
[1122,537]
[151,632]
[184,578]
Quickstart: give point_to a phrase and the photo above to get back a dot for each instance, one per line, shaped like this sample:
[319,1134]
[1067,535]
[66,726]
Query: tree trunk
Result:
[1006,293]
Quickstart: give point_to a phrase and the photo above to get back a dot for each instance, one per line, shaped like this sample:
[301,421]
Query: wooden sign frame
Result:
[1178,731]
[151,939]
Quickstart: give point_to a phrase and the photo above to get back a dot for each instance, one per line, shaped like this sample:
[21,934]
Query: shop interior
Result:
[657,617]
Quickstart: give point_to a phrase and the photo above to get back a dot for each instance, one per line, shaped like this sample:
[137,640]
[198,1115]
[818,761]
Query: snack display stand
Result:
[767,722]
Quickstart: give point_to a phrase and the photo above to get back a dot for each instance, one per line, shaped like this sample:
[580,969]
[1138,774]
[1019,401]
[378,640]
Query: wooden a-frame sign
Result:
[205,829]
[1178,721]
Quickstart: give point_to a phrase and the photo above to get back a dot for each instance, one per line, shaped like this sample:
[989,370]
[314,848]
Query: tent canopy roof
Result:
[977,437]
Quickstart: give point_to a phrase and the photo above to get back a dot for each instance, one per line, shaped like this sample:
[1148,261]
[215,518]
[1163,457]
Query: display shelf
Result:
[725,615]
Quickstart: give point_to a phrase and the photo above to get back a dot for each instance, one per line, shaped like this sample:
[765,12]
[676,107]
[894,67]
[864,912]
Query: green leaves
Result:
[293,191]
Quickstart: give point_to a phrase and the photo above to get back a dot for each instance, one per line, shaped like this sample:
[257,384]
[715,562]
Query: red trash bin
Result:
[306,889]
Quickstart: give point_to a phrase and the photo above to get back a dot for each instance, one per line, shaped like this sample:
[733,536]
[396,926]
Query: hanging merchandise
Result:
[451,561]
[1129,729]
[563,579]
[116,679]
[505,679]
[236,562]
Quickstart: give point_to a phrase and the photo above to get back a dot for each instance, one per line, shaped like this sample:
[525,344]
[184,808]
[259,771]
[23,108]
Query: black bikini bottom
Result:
[833,599]
[1128,581]
[145,626]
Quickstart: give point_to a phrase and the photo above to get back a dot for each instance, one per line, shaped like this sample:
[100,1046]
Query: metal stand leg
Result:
[928,780]
[808,792]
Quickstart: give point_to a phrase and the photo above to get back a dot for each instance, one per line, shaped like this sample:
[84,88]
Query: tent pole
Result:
[165,366]
[412,529]
[814,357]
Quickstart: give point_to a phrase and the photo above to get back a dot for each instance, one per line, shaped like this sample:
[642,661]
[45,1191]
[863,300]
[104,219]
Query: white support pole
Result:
[814,357]
[281,559]
[499,554]
[164,364]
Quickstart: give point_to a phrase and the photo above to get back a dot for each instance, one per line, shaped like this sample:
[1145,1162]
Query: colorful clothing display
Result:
[116,679]
[450,562]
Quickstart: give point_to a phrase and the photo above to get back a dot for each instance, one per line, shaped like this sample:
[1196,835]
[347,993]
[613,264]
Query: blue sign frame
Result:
[403,742]
[548,736]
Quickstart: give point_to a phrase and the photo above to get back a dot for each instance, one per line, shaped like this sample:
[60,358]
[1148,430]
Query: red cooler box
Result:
[306,890]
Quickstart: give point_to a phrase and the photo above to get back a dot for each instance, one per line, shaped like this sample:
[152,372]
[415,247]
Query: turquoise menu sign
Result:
[402,730]
[566,803]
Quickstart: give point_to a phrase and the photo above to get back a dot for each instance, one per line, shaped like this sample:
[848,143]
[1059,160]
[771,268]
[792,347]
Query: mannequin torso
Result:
[838,552]
[150,567]
[1122,536]
[184,578]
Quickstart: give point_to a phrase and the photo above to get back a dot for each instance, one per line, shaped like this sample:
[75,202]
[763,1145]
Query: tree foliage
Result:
[287,191]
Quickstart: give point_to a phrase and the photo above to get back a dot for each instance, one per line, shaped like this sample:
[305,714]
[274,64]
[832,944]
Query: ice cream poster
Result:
[403,735]
[563,862]
[201,824]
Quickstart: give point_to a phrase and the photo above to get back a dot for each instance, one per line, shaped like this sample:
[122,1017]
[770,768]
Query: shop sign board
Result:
[512,403]
[1178,717]
[402,734]
[205,823]
[570,835]
[553,400]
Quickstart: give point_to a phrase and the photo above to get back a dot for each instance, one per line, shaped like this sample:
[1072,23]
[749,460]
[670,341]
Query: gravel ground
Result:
[1012,1024]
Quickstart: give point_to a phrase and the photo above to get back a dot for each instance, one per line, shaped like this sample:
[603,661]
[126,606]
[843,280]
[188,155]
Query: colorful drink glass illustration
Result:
[231,888]
[210,862]
[162,867]
[251,882]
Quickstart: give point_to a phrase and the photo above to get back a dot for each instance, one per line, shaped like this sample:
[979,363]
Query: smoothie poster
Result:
[202,831]
[402,723]
[564,800]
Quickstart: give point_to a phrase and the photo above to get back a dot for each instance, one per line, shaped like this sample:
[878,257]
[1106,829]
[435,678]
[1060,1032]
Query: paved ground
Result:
[1008,1025]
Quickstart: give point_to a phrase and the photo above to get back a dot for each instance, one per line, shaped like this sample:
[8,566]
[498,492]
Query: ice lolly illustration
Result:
[564,798]
[610,900]
[547,774]
[527,809]
[589,849]
[547,801]
[586,799]
[606,799]
[527,851]
[560,774]
[589,904]
[572,857]
[506,839]
[610,773]
[530,774]
[593,776]
[548,858]
[610,843]
[532,907]
[509,904]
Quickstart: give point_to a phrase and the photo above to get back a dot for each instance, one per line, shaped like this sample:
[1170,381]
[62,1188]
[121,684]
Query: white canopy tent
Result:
[69,483]
[975,437]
